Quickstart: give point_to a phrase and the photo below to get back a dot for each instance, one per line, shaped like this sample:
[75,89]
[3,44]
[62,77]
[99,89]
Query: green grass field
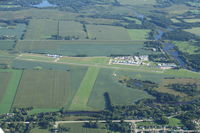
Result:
[13,30]
[140,34]
[71,28]
[195,31]
[56,88]
[81,98]
[103,32]
[89,48]
[107,81]
[4,81]
[187,47]
[41,29]
[137,2]
[192,20]
[6,44]
[9,95]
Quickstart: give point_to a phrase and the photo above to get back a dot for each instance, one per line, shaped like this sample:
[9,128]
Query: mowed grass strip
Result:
[11,90]
[81,98]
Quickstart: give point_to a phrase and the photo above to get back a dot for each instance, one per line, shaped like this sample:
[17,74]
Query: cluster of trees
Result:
[192,60]
[121,127]
[189,89]
[179,35]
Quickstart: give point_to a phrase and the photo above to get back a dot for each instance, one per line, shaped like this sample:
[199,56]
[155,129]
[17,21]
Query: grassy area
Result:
[35,57]
[78,128]
[56,88]
[195,31]
[137,2]
[6,44]
[13,31]
[85,60]
[4,81]
[104,32]
[71,28]
[195,20]
[89,48]
[9,95]
[107,81]
[174,122]
[41,29]
[187,47]
[137,21]
[138,34]
[81,98]
[175,20]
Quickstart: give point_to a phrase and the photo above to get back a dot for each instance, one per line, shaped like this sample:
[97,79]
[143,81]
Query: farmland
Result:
[195,31]
[101,32]
[187,47]
[6,44]
[15,31]
[88,48]
[9,94]
[80,100]
[138,34]
[56,89]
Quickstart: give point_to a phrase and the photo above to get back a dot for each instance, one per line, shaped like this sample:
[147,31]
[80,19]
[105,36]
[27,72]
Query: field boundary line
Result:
[17,89]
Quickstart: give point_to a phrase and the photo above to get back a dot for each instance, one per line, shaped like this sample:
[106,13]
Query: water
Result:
[44,3]
[169,48]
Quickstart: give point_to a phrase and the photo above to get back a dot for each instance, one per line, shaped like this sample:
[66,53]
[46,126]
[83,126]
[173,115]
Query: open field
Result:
[37,13]
[81,98]
[76,128]
[194,20]
[107,81]
[13,30]
[56,88]
[187,47]
[4,81]
[140,34]
[71,28]
[10,92]
[137,2]
[85,60]
[103,32]
[6,44]
[41,29]
[89,48]
[195,31]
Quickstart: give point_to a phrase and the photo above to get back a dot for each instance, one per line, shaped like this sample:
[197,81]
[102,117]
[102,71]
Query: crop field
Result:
[195,31]
[6,44]
[89,48]
[103,32]
[187,47]
[13,30]
[81,98]
[195,20]
[4,81]
[41,29]
[76,128]
[137,2]
[71,28]
[120,95]
[137,21]
[37,13]
[85,60]
[10,92]
[30,64]
[56,88]
[136,34]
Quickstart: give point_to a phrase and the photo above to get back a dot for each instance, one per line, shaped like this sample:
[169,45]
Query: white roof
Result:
[1,131]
